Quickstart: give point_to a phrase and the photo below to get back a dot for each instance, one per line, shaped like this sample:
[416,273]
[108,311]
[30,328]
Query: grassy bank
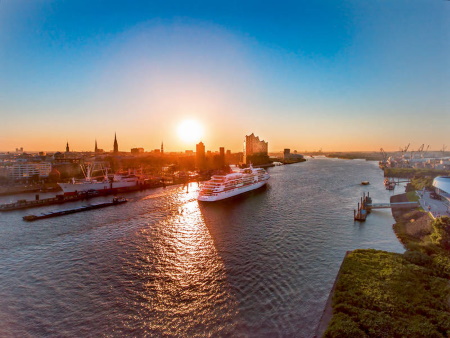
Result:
[414,172]
[368,156]
[383,294]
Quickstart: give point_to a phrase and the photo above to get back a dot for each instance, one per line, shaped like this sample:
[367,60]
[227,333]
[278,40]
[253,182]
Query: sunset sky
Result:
[305,75]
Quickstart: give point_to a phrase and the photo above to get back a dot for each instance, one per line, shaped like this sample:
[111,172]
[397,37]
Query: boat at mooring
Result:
[115,201]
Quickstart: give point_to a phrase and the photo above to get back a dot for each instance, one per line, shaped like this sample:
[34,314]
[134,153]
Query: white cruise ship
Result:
[235,183]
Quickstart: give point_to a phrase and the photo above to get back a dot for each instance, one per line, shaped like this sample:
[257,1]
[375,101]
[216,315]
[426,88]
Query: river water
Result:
[261,265]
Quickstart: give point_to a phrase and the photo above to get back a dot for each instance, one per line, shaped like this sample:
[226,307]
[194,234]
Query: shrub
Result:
[418,258]
[342,325]
[441,232]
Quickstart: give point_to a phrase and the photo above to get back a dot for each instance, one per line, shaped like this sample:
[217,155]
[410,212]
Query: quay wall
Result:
[327,312]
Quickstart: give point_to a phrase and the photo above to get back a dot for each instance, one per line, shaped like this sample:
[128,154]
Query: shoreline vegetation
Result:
[368,156]
[414,172]
[385,294]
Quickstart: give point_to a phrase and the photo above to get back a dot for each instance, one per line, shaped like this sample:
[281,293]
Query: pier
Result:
[365,206]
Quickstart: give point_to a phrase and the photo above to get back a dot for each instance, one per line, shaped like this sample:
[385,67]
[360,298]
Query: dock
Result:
[60,199]
[25,204]
[361,213]
[366,205]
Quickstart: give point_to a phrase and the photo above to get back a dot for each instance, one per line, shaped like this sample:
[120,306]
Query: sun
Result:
[190,131]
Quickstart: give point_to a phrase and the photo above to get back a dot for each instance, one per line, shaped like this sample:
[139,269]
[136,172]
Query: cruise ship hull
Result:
[230,193]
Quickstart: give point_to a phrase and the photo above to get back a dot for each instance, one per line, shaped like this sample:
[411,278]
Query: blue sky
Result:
[336,75]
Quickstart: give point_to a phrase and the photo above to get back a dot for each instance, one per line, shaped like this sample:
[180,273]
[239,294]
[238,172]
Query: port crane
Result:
[419,151]
[384,158]
[383,155]
[428,147]
[404,150]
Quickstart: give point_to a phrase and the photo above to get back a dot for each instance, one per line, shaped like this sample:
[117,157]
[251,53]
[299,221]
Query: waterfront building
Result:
[200,159]
[442,187]
[137,150]
[4,172]
[255,150]
[23,170]
[287,155]
[116,145]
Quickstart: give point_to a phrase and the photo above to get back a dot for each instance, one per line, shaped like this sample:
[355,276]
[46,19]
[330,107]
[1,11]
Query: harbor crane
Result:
[404,150]
[419,151]
[383,154]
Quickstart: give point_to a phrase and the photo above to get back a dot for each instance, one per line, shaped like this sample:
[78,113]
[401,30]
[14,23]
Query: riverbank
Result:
[385,294]
[414,172]
[379,293]
[327,313]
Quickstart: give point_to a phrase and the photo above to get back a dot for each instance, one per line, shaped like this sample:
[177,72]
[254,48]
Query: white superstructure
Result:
[101,184]
[225,186]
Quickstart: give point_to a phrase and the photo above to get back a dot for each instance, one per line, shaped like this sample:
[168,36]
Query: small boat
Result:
[390,187]
[365,183]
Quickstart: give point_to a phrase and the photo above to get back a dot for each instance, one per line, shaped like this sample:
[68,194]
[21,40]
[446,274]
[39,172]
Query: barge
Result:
[115,201]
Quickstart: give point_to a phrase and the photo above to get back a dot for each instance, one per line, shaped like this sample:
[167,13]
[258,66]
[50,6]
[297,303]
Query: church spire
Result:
[96,149]
[162,148]
[67,147]
[116,145]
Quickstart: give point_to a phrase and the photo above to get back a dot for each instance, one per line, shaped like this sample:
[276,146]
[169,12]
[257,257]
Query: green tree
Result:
[441,232]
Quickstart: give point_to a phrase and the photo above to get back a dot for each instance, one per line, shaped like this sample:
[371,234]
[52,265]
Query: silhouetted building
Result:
[200,159]
[162,148]
[97,149]
[137,150]
[116,145]
[255,151]
[222,156]
[288,156]
[67,147]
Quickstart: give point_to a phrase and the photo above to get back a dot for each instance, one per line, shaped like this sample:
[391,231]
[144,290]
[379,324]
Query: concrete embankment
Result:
[328,310]
[397,213]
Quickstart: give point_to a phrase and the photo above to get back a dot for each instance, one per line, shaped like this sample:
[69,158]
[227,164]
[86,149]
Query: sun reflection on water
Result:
[184,285]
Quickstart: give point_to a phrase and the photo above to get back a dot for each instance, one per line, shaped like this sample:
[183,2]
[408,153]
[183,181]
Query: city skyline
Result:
[347,76]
